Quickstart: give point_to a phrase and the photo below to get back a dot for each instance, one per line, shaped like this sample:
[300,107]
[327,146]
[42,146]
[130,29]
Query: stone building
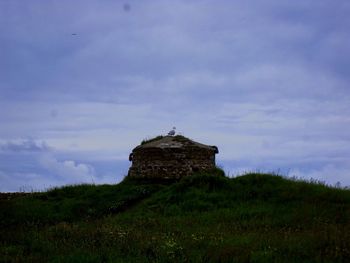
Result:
[171,157]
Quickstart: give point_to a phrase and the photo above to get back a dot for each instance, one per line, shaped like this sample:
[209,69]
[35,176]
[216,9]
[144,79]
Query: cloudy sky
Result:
[83,82]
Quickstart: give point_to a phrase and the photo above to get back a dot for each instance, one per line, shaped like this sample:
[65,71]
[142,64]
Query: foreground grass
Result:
[203,218]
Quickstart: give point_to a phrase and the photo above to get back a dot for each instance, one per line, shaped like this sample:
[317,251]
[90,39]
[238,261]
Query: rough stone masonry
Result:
[171,157]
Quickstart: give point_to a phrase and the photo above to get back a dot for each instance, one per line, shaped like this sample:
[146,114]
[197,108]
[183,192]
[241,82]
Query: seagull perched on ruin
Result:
[172,132]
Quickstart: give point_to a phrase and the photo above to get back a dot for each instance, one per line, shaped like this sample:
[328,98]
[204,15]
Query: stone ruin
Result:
[171,157]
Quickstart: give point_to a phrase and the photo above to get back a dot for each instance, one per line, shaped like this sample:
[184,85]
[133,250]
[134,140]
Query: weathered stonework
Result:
[171,157]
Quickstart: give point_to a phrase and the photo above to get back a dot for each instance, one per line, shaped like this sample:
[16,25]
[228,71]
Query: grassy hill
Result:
[202,218]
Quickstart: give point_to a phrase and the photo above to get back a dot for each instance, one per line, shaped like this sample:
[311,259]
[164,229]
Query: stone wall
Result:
[170,162]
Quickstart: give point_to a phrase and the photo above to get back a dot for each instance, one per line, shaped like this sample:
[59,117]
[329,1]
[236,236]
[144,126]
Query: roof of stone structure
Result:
[177,141]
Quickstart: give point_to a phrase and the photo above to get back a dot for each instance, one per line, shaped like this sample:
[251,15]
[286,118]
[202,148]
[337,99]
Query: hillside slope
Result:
[203,218]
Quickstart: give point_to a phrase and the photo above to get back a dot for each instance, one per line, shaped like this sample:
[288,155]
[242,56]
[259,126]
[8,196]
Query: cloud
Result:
[68,170]
[30,166]
[266,82]
[45,170]
[28,145]
[141,44]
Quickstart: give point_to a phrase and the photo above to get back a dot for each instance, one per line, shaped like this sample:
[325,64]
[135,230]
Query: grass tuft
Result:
[148,140]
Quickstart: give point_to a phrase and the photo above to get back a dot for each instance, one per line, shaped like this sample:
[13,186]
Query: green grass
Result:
[202,218]
[148,140]
[178,138]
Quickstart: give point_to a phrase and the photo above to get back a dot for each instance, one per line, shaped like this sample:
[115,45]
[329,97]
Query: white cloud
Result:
[68,170]
[39,172]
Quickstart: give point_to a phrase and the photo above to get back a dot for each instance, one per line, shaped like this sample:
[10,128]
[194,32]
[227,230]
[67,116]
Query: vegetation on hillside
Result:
[178,138]
[148,140]
[202,218]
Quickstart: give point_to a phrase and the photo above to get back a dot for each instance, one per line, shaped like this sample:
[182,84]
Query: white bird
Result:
[172,132]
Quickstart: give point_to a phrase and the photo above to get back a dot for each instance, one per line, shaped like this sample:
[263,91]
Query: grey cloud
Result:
[266,81]
[28,145]
[156,45]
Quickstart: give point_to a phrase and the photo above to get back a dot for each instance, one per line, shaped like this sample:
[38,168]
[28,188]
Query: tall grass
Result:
[202,218]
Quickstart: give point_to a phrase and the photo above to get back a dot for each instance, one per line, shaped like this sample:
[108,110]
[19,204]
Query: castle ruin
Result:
[171,157]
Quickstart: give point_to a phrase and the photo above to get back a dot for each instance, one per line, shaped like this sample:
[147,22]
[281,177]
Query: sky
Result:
[82,83]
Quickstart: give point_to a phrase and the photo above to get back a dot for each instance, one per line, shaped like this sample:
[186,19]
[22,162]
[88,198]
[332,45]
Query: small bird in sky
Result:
[74,34]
